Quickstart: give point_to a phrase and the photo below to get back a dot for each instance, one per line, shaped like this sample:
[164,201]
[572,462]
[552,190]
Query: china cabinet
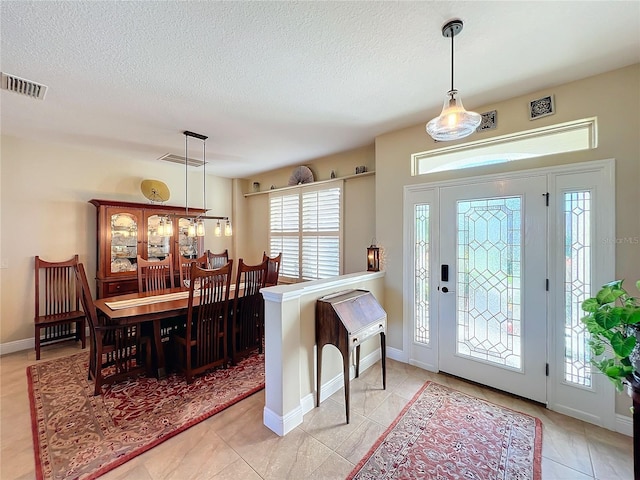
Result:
[126,230]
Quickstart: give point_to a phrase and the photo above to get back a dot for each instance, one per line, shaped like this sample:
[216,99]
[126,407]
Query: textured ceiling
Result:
[278,83]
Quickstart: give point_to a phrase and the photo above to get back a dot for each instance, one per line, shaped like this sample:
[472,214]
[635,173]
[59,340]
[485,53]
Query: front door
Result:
[496,269]
[492,284]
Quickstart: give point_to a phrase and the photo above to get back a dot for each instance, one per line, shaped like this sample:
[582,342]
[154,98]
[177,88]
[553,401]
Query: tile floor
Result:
[236,445]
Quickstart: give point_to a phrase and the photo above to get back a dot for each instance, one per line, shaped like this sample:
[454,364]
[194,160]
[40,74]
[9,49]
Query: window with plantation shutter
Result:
[306,227]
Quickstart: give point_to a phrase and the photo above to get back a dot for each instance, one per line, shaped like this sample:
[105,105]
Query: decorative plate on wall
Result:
[155,190]
[301,175]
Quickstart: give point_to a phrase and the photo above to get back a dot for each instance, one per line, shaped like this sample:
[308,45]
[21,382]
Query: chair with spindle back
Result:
[185,267]
[217,260]
[203,343]
[273,269]
[57,307]
[246,329]
[117,351]
[155,276]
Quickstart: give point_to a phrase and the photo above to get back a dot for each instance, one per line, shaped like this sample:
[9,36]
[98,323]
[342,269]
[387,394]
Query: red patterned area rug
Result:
[445,434]
[77,435]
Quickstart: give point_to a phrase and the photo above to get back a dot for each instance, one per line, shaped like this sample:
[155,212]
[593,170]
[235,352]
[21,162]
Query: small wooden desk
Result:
[153,312]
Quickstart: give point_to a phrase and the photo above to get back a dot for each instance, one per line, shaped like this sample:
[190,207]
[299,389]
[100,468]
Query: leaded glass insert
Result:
[421,274]
[489,280]
[577,285]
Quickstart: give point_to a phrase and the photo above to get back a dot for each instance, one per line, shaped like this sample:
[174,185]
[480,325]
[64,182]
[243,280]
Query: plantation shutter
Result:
[306,227]
[321,233]
[285,227]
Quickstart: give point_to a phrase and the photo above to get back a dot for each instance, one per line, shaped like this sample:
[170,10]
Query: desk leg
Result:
[157,339]
[383,353]
[318,381]
[345,363]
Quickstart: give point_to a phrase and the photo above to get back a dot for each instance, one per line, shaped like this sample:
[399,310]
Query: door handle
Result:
[445,289]
[444,273]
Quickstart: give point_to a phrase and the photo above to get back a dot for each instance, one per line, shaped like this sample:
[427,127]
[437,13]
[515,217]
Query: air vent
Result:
[23,86]
[173,158]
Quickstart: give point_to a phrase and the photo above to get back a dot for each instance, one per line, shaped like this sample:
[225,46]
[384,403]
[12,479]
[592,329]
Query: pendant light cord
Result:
[452,35]
[204,175]
[186,182]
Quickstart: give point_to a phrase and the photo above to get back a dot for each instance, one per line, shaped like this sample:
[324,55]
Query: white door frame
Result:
[603,271]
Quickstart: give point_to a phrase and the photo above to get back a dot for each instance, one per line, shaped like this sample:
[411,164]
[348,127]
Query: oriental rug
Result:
[445,434]
[80,436]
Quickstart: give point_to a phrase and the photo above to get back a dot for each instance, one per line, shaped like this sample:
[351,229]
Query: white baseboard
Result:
[397,354]
[308,402]
[624,425]
[282,425]
[25,344]
[17,346]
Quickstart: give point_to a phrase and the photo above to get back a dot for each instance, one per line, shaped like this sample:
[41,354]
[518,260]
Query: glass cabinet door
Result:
[158,237]
[124,242]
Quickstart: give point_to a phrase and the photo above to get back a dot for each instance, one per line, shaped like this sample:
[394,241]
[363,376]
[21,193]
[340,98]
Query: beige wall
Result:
[359,205]
[44,211]
[614,98]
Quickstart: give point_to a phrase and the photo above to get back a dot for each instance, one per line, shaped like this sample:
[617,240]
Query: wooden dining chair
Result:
[247,317]
[185,267]
[204,343]
[217,260]
[57,307]
[116,351]
[154,276]
[273,270]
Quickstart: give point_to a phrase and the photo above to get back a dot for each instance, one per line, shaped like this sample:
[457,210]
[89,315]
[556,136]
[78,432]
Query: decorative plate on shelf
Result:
[121,265]
[301,175]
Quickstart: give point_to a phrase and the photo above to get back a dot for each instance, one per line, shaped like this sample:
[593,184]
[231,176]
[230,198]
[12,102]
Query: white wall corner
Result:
[282,425]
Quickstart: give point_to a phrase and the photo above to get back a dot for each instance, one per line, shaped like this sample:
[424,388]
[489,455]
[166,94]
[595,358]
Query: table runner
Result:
[136,302]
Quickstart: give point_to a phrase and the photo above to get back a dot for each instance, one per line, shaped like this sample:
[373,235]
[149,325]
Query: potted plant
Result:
[613,320]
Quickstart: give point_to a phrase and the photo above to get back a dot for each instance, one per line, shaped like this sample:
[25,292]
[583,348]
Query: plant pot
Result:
[634,356]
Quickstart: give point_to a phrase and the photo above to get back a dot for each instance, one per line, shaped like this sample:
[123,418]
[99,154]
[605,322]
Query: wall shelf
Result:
[279,189]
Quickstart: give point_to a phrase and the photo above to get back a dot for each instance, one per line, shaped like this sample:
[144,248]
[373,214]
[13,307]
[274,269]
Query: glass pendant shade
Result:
[168,228]
[454,121]
[191,231]
[218,230]
[200,228]
[160,229]
[227,229]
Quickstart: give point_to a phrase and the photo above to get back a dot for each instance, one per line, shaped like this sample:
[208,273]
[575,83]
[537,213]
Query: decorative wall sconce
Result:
[373,258]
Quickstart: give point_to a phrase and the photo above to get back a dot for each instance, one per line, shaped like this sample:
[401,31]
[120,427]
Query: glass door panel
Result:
[188,246]
[124,242]
[158,243]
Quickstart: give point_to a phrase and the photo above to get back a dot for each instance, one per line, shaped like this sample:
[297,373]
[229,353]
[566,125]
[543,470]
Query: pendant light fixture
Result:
[454,121]
[196,224]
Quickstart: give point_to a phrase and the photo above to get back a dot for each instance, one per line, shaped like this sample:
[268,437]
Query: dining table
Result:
[151,308]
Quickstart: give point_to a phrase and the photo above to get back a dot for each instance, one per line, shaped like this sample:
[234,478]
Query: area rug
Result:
[445,434]
[79,436]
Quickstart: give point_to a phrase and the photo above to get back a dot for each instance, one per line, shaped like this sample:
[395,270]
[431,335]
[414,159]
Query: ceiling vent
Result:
[23,86]
[173,158]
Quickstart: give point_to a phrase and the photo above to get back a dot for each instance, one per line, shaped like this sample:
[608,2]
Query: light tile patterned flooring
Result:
[236,445]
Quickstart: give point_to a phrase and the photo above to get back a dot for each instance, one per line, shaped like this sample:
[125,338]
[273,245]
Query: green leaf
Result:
[609,294]
[633,315]
[590,305]
[638,284]
[597,347]
[607,318]
[621,345]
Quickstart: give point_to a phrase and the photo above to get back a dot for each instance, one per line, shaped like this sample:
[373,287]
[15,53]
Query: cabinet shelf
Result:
[279,189]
